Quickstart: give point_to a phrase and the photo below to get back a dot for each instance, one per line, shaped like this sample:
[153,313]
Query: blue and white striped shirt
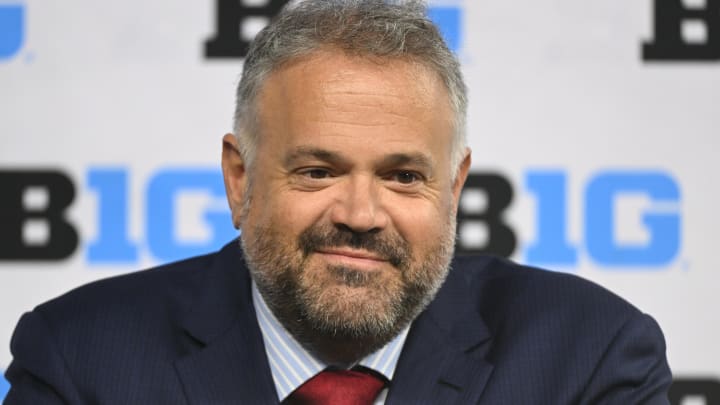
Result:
[291,365]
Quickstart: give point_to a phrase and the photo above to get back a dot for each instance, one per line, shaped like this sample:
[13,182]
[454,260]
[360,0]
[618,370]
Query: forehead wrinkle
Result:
[337,94]
[360,105]
[370,108]
[336,90]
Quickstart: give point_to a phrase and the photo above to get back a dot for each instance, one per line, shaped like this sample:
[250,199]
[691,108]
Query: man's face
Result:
[348,211]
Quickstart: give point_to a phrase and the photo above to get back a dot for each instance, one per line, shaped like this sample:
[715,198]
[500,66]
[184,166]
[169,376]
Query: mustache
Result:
[392,248]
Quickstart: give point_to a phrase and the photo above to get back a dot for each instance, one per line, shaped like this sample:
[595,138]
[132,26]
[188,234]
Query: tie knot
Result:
[359,386]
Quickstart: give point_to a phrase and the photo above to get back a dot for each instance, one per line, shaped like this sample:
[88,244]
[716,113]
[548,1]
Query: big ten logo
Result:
[612,200]
[12,29]
[448,16]
[4,385]
[35,227]
[34,205]
[685,30]
[238,21]
[701,391]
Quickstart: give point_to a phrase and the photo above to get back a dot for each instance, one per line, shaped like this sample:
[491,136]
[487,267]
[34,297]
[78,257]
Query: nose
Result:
[358,206]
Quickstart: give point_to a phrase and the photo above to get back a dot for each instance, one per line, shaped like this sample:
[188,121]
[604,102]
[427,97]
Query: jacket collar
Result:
[443,360]
[226,360]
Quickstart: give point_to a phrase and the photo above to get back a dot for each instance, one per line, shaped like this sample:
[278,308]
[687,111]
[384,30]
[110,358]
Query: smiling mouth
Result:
[356,259]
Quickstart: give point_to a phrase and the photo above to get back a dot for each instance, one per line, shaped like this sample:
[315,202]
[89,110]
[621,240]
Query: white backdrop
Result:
[120,98]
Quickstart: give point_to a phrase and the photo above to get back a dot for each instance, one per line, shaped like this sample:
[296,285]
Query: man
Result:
[344,176]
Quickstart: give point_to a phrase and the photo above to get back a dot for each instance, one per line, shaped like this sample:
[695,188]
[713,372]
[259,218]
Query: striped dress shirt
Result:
[291,365]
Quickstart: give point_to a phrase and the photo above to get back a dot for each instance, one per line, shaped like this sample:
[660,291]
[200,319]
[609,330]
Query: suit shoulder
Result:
[560,333]
[128,294]
[523,292]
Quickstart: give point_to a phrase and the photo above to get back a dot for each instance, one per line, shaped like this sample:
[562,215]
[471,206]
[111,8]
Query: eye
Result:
[316,173]
[406,177]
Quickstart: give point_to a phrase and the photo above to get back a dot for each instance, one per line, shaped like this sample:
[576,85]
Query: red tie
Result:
[338,387]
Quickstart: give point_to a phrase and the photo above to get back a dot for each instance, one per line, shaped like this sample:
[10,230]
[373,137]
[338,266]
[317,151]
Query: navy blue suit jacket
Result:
[186,333]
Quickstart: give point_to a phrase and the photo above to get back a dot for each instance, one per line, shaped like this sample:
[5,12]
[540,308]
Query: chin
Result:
[353,309]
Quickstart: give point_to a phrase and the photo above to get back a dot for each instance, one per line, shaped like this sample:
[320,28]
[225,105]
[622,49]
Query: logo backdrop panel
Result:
[593,124]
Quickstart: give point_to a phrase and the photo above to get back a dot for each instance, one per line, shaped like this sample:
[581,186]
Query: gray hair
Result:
[386,29]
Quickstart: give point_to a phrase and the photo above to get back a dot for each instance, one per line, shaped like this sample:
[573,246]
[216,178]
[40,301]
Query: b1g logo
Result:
[694,391]
[448,16]
[4,385]
[34,203]
[685,30]
[605,199]
[35,227]
[12,29]
[238,21]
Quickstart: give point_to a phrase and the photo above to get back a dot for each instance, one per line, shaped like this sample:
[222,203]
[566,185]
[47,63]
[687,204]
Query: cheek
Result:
[421,224]
[287,212]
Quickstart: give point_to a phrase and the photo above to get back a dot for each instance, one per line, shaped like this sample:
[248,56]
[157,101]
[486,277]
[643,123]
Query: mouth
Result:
[352,258]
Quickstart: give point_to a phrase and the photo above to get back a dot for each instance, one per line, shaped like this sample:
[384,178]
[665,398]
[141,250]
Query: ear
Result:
[234,175]
[460,177]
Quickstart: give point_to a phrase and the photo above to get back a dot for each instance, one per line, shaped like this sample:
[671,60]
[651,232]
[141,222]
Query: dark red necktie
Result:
[359,386]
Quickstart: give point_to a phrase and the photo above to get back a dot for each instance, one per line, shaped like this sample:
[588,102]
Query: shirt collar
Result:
[291,365]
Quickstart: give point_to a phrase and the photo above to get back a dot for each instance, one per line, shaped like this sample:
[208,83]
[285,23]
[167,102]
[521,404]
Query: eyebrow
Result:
[305,152]
[415,159]
[418,160]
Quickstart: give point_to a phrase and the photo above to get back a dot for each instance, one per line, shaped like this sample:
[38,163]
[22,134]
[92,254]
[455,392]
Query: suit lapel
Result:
[226,361]
[443,360]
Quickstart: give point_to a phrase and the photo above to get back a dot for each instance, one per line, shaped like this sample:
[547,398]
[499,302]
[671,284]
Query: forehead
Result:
[336,67]
[330,94]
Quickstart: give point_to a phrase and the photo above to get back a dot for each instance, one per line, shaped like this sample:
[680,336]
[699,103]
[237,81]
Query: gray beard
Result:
[322,325]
